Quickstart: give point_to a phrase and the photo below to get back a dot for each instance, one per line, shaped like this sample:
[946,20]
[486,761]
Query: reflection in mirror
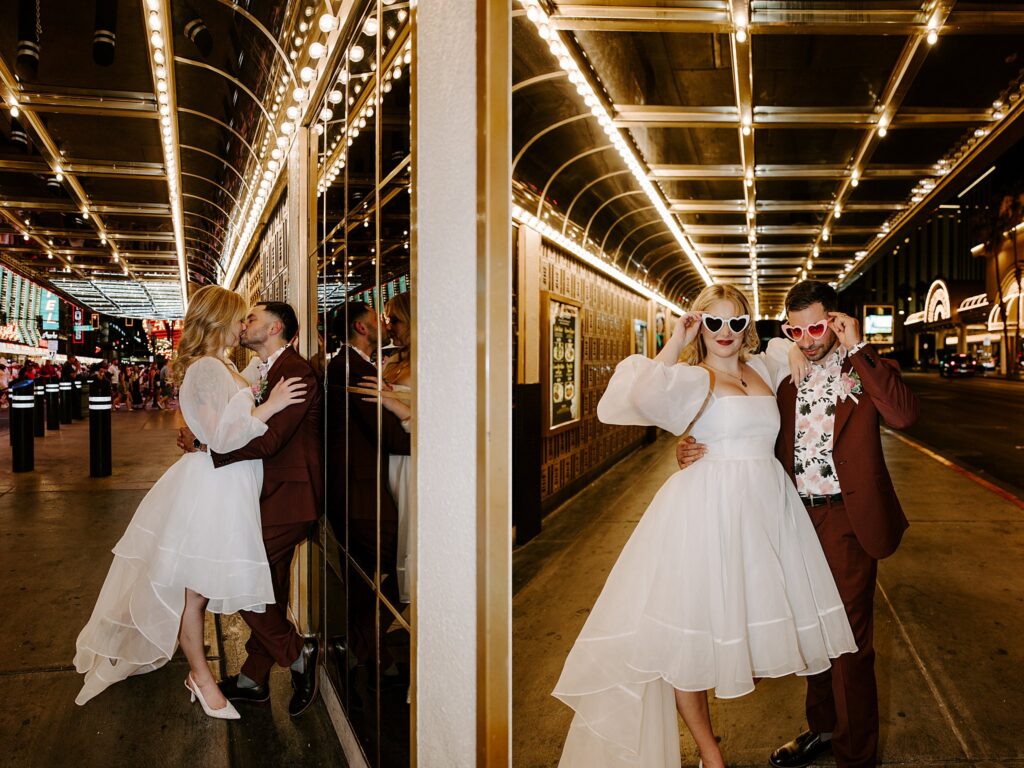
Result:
[363,187]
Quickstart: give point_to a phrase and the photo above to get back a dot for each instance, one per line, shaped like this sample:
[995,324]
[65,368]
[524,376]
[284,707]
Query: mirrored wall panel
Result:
[363,210]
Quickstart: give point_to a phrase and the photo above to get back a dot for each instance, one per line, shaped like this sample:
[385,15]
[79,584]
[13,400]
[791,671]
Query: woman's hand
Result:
[402,410]
[687,328]
[286,392]
[798,365]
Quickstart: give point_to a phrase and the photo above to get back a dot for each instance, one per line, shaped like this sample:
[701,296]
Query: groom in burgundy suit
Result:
[830,446]
[290,501]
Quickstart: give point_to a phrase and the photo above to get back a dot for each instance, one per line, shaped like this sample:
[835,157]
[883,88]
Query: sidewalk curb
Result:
[986,484]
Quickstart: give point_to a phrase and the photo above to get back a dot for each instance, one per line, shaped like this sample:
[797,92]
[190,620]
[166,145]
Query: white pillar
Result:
[461,274]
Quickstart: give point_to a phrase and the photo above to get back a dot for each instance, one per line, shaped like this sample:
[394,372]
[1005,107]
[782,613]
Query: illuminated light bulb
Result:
[933,36]
[408,57]
[299,94]
[402,15]
[154,21]
[59,175]
[397,72]
[741,34]
[356,53]
[837,211]
[882,131]
[276,154]
[85,212]
[161,85]
[391,33]
[316,50]
[292,112]
[371,26]
[854,182]
[293,55]
[326,114]
[14,110]
[335,97]
[327,23]
[24,236]
[306,74]
[282,141]
[157,40]
[318,129]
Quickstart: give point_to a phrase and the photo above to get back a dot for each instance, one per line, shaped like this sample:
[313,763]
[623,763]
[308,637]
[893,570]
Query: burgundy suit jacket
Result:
[291,450]
[869,497]
[354,473]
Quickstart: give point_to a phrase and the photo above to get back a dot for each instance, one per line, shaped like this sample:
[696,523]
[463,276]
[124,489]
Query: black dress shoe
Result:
[305,683]
[234,692]
[801,751]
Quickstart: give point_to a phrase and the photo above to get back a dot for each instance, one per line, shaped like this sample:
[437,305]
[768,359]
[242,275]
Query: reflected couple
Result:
[357,480]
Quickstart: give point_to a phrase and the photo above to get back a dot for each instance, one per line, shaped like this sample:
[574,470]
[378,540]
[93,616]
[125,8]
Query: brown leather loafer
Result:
[801,751]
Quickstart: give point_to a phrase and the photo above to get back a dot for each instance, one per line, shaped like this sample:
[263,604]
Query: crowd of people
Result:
[134,386]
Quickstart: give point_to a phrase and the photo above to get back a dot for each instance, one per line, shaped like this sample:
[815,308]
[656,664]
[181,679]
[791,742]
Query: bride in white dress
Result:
[195,542]
[398,373]
[723,580]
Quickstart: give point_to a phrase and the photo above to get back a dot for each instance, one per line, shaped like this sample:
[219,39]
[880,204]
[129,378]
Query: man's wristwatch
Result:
[196,444]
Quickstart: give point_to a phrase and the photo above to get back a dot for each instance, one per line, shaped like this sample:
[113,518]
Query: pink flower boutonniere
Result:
[850,386]
[259,391]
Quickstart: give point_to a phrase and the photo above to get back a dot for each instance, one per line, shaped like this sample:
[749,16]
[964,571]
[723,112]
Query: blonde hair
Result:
[697,351]
[213,312]
[399,307]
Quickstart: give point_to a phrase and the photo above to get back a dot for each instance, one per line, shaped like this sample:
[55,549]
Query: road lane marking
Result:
[956,468]
[943,707]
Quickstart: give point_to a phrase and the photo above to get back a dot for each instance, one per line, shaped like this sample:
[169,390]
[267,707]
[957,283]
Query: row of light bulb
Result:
[600,262]
[547,32]
[357,122]
[264,177]
[160,62]
[942,167]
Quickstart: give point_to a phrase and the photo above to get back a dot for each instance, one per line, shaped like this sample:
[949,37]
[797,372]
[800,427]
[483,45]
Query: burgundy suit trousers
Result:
[844,699]
[273,637]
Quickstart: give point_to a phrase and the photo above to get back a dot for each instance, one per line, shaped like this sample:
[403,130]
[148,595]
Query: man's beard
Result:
[825,349]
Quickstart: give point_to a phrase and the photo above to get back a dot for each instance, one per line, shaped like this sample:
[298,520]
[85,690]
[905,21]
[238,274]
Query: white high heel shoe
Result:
[227,712]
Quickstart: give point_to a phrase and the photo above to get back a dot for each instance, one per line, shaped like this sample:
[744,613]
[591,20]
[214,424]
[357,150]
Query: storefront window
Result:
[363,211]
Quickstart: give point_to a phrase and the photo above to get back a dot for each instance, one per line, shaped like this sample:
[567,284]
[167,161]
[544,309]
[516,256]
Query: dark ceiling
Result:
[811,80]
[101,124]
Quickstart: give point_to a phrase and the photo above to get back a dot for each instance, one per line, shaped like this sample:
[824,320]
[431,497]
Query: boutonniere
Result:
[850,386]
[259,390]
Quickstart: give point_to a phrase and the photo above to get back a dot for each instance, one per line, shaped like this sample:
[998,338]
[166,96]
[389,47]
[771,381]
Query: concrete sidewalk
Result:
[57,526]
[949,621]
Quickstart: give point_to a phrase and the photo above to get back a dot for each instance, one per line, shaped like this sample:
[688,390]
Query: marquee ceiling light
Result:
[600,261]
[625,149]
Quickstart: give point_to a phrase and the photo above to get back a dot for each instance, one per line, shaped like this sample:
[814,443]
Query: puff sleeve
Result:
[776,359]
[646,393]
[215,409]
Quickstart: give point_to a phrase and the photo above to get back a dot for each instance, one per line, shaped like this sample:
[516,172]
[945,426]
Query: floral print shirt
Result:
[816,399]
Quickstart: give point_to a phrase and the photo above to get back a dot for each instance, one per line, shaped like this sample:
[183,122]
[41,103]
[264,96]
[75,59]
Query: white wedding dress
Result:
[198,527]
[398,484]
[722,581]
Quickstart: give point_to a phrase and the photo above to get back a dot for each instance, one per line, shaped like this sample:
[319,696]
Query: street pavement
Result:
[57,527]
[949,621]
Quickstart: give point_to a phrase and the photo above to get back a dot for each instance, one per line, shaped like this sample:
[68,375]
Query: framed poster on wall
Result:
[638,341]
[561,360]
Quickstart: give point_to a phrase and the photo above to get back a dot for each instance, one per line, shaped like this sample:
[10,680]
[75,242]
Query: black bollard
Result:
[52,404]
[76,400]
[22,439]
[66,412]
[99,429]
[40,410]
